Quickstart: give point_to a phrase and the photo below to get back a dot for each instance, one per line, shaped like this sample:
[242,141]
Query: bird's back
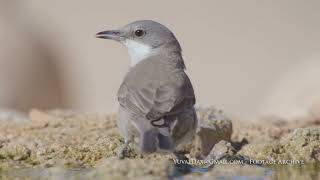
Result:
[155,78]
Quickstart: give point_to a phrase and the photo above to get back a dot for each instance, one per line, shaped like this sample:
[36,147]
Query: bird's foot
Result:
[124,151]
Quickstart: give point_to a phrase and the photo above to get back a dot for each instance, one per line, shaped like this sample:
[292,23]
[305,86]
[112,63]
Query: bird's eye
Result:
[139,33]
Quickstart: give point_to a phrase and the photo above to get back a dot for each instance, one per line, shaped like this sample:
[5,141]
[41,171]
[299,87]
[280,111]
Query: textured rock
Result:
[300,144]
[70,145]
[222,149]
[70,139]
[213,126]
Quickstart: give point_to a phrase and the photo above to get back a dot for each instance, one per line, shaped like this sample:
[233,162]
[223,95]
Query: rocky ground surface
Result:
[68,145]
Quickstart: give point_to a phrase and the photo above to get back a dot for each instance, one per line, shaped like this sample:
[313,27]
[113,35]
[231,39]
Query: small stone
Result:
[220,150]
[50,163]
[112,146]
[21,153]
[40,119]
[213,126]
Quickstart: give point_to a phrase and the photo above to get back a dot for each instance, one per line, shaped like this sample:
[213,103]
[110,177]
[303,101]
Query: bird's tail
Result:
[152,140]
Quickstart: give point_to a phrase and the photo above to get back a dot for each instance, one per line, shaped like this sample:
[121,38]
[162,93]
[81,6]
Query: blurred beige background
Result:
[249,58]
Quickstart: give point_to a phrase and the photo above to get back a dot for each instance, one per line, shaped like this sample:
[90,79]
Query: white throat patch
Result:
[137,51]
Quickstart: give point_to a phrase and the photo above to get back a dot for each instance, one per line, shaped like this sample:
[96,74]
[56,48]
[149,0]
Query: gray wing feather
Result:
[156,103]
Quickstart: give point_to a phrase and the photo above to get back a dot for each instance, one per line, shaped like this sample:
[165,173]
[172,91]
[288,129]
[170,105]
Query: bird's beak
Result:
[112,34]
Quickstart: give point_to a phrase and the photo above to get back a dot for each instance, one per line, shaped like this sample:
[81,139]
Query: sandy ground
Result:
[59,144]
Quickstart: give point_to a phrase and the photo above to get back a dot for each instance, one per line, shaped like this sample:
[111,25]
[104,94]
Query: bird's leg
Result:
[124,150]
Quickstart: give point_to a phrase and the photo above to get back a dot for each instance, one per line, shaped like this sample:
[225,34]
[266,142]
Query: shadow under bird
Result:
[156,96]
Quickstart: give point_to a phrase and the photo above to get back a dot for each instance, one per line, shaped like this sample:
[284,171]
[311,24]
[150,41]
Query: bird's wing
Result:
[136,101]
[155,102]
[171,99]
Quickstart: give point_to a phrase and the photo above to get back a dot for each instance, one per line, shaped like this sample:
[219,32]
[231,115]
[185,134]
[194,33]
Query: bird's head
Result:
[143,38]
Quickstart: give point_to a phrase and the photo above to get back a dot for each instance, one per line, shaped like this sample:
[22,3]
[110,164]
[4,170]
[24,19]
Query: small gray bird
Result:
[156,97]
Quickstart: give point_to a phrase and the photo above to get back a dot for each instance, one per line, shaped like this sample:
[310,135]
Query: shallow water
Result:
[276,172]
[304,172]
